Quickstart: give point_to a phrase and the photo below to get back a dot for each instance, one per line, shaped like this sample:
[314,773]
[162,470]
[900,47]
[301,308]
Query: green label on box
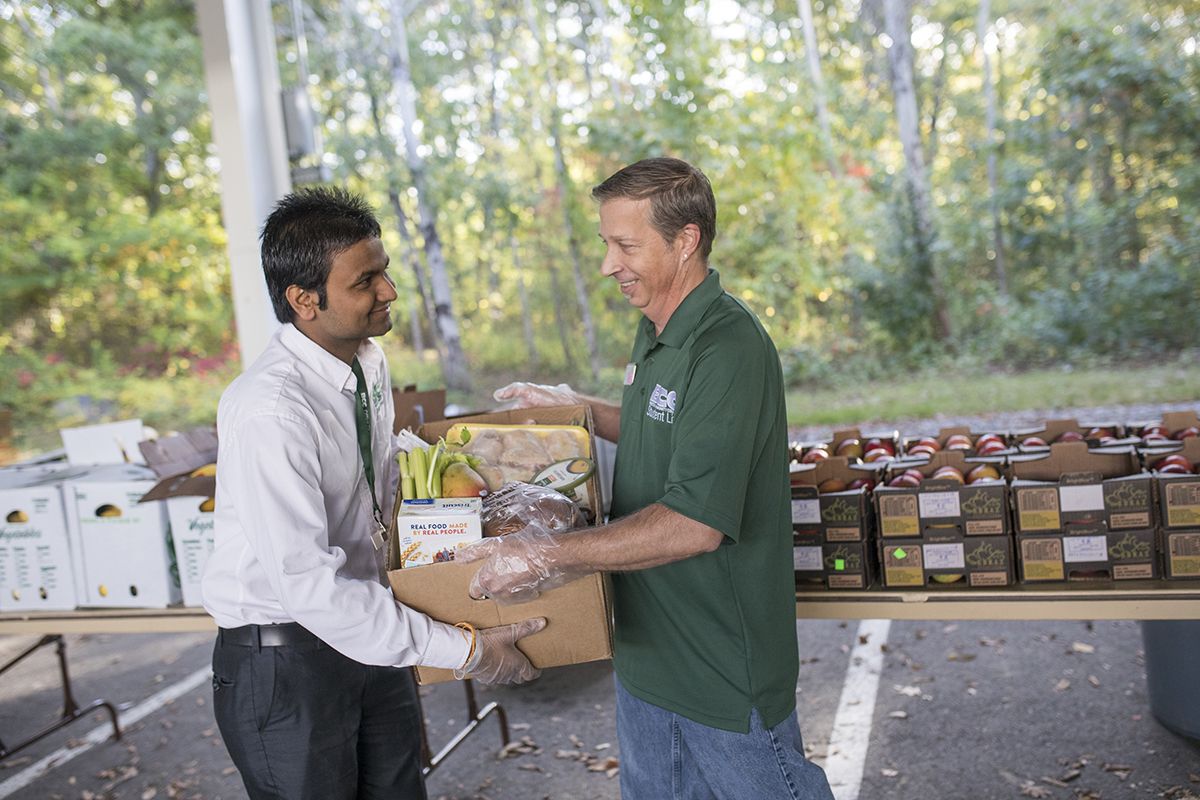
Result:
[839,564]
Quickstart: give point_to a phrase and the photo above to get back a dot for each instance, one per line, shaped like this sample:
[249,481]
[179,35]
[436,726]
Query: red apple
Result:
[906,480]
[983,472]
[921,451]
[877,454]
[1175,469]
[1070,436]
[1099,433]
[814,455]
[831,485]
[1034,441]
[1155,437]
[1175,460]
[991,447]
[929,441]
[861,483]
[989,437]
[959,441]
[875,442]
[1155,427]
[1185,433]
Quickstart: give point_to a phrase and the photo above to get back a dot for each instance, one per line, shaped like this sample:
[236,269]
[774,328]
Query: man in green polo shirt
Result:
[706,656]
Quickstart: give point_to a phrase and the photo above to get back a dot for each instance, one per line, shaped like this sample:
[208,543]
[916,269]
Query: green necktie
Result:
[362,423]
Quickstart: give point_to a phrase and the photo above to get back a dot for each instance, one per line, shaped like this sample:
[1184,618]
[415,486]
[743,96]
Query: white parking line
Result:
[125,718]
[852,726]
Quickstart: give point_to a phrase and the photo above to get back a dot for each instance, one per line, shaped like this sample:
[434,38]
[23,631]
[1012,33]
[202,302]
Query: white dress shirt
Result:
[294,515]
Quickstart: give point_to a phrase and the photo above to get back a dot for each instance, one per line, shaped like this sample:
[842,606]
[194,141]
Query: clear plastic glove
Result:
[520,565]
[497,659]
[535,395]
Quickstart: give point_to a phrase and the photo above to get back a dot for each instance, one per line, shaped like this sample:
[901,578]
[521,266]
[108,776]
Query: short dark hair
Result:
[303,234]
[679,194]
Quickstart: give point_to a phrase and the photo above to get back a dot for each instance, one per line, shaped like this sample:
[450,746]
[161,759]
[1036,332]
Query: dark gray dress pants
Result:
[303,721]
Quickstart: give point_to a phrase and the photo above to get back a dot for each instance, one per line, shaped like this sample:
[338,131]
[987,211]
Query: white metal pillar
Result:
[242,75]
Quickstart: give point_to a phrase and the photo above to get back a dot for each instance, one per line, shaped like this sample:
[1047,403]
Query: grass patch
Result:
[969,395]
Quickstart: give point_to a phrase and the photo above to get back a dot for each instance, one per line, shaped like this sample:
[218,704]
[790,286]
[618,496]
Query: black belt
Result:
[267,635]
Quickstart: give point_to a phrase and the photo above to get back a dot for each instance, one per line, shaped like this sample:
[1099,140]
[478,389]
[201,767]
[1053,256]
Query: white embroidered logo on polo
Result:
[662,405]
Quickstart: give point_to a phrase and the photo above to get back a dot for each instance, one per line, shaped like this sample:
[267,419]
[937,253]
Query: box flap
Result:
[183,485]
[1064,457]
[414,409]
[107,443]
[171,455]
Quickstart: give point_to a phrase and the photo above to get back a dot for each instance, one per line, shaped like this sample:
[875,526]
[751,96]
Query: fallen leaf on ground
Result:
[950,629]
[907,691]
[1054,782]
[1080,647]
[1031,789]
[16,762]
[604,746]
[520,726]
[961,657]
[1062,685]
[1094,681]
[530,767]
[899,715]
[229,770]
[989,642]
[889,773]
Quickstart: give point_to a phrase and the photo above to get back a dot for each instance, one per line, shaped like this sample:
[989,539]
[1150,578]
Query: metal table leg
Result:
[71,709]
[476,715]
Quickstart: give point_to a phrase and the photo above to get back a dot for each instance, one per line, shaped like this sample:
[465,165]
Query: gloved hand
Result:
[497,659]
[520,565]
[533,395]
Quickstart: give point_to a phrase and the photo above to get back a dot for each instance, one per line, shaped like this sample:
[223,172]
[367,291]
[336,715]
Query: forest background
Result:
[969,186]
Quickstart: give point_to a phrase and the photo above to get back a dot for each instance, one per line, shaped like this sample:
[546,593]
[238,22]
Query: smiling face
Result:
[358,296]
[654,275]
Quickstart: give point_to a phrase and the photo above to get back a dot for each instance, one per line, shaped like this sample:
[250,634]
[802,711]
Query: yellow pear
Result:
[459,480]
[207,469]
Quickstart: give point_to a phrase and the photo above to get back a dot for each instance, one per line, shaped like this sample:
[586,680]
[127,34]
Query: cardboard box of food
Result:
[837,514]
[578,615]
[1178,494]
[832,565]
[945,433]
[946,558]
[121,547]
[1051,430]
[855,442]
[36,571]
[1181,553]
[1088,551]
[1072,485]
[939,505]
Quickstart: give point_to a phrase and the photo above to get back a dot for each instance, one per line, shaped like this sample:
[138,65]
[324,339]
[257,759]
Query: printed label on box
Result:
[989,578]
[1184,554]
[1042,559]
[985,527]
[902,566]
[944,556]
[1037,509]
[1127,572]
[939,504]
[806,559]
[1089,497]
[806,512]
[1117,521]
[1085,548]
[846,581]
[898,515]
[1183,504]
[429,531]
[843,534]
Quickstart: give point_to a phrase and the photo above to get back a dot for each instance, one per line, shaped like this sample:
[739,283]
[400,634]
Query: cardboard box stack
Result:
[942,532]
[188,488]
[578,615]
[1178,496]
[831,543]
[1083,514]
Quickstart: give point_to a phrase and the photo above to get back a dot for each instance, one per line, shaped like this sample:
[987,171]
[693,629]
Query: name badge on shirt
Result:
[378,533]
[630,371]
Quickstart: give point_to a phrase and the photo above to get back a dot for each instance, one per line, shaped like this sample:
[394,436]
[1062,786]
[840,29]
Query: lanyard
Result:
[362,423]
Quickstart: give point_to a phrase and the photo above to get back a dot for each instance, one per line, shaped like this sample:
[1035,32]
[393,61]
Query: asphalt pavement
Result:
[972,710]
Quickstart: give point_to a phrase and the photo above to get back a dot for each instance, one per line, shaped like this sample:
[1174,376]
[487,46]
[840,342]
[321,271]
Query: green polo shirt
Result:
[704,433]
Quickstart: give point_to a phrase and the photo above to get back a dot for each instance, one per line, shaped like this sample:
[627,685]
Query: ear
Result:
[303,302]
[688,240]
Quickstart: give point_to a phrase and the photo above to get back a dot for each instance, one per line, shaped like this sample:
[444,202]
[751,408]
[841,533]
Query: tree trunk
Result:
[989,95]
[814,71]
[898,24]
[535,361]
[455,365]
[565,195]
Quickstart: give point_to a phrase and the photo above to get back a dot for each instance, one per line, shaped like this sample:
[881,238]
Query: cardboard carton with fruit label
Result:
[944,558]
[949,492]
[1088,551]
[832,565]
[1071,485]
[832,498]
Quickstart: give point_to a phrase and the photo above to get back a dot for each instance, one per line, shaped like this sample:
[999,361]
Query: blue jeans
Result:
[664,755]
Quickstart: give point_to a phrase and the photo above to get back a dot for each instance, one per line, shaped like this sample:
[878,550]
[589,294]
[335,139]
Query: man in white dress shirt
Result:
[308,686]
